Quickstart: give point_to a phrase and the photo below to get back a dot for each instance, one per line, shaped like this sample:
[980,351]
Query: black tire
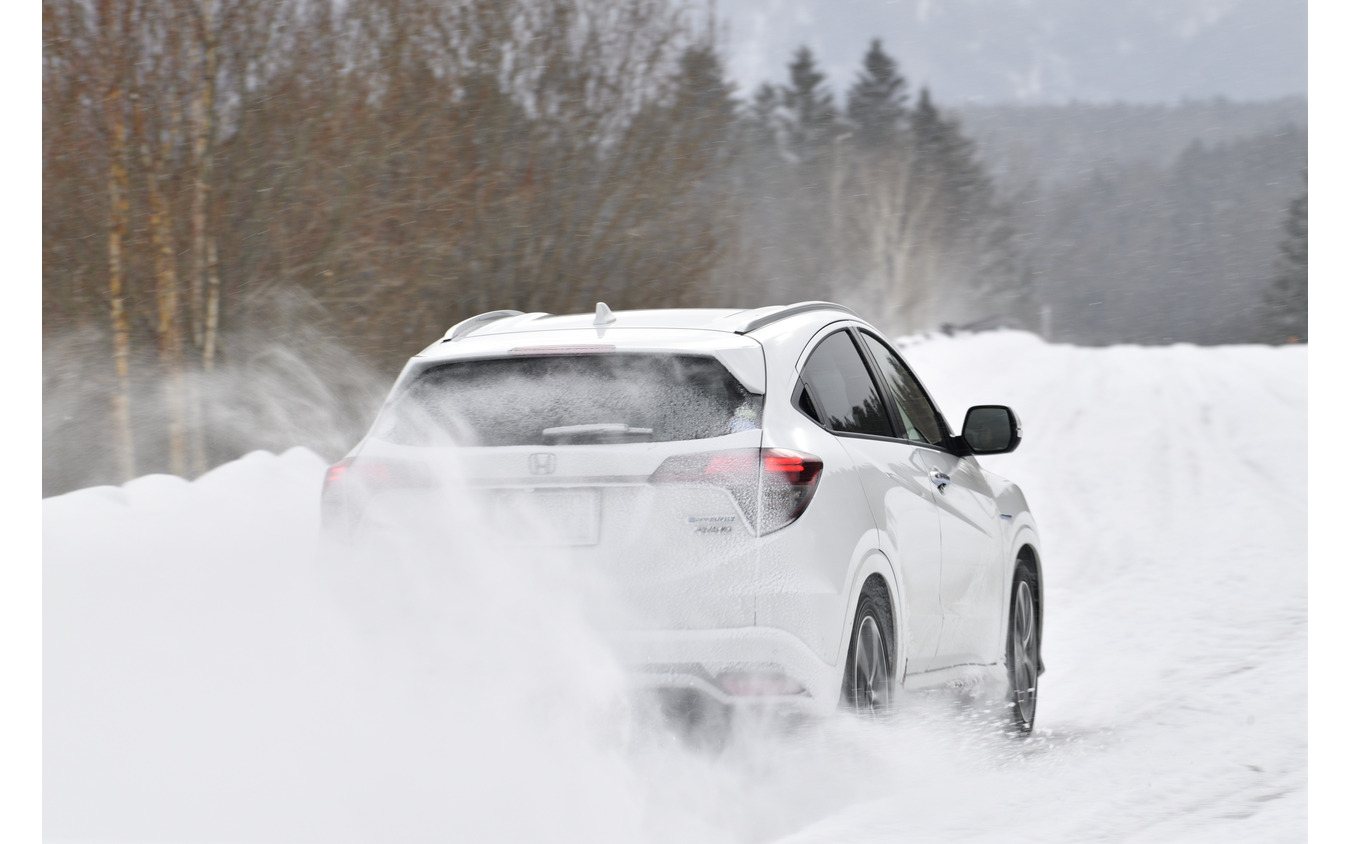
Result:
[869,673]
[1023,657]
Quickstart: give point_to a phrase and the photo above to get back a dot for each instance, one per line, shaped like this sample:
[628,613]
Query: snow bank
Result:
[207,679]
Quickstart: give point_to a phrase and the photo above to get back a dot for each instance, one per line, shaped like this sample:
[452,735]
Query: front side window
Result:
[572,399]
[917,413]
[841,390]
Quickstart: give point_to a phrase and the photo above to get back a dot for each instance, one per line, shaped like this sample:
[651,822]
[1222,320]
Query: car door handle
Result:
[939,479]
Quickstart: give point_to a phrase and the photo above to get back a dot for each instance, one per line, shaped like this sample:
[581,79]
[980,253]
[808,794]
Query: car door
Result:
[971,590]
[839,391]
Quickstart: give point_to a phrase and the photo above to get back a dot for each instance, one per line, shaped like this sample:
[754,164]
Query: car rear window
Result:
[572,399]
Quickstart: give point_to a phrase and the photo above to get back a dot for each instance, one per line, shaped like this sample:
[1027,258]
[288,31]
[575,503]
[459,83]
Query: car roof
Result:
[734,336]
[729,320]
[704,318]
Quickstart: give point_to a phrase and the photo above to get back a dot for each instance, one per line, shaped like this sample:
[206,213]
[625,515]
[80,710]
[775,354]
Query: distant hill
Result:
[1058,145]
[1037,51]
[1148,224]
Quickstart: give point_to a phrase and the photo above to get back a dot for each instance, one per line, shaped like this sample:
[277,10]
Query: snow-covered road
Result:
[205,680]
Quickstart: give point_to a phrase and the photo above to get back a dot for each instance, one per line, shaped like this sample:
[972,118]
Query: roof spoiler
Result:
[745,322]
[464,328]
[761,317]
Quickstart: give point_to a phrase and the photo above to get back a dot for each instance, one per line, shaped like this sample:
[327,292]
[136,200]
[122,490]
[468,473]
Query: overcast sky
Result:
[1035,51]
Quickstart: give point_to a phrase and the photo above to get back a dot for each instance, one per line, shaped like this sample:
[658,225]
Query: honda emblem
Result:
[543,463]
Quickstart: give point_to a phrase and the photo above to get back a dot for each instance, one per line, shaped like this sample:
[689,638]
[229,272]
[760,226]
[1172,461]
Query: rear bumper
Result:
[739,667]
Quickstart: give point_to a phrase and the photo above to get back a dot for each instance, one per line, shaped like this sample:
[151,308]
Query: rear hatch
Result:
[639,462]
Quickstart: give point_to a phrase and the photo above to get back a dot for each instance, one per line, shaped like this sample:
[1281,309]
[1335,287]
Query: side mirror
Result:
[991,429]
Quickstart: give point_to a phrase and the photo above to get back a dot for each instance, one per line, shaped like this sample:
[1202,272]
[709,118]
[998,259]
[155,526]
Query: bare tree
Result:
[400,165]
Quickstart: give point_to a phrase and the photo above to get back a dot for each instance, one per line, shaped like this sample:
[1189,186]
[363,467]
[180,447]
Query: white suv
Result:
[781,510]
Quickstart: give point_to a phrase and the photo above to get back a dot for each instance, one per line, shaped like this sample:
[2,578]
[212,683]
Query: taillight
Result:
[345,469]
[797,469]
[772,486]
[350,484]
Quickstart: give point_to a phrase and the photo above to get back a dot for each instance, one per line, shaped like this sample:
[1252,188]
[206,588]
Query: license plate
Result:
[549,517]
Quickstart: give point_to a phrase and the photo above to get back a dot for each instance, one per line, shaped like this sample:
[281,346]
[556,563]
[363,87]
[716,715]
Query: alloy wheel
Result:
[1025,656]
[871,677]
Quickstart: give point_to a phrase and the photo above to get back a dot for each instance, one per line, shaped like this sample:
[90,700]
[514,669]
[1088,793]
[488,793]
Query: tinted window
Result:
[844,394]
[557,400]
[807,406]
[917,414]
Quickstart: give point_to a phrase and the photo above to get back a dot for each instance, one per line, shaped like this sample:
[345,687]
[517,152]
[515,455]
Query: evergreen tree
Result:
[1287,299]
[765,103]
[704,106]
[702,85]
[810,124]
[762,123]
[945,154]
[687,144]
[974,230]
[876,102]
[925,122]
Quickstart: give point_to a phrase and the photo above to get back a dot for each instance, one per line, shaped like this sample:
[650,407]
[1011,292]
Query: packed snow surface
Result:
[206,678]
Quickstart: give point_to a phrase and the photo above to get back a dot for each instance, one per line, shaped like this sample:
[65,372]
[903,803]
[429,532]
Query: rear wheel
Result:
[869,674]
[1024,653]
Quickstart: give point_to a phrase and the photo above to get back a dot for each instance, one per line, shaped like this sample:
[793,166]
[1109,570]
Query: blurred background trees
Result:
[1286,311]
[220,171]
[255,210]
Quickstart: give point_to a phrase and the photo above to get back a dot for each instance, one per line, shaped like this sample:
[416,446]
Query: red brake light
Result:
[377,473]
[350,484]
[336,471]
[730,462]
[771,486]
[535,351]
[793,467]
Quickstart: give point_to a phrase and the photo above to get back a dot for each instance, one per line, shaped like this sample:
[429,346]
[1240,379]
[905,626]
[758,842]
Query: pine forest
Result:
[254,211]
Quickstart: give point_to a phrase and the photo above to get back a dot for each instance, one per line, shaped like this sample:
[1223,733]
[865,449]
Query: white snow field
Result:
[206,678]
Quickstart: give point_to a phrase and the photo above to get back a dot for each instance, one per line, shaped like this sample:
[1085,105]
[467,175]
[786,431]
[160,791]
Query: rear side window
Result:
[561,400]
[843,395]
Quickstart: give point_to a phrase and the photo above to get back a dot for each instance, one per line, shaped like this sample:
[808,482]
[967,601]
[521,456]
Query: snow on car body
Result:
[782,513]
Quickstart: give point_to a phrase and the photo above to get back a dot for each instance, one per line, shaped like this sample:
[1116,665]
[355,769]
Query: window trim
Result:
[858,348]
[798,392]
[888,398]
[950,444]
[945,429]
[802,388]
